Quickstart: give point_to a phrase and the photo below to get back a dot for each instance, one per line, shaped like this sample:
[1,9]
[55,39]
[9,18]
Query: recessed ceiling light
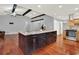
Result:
[60,6]
[39,6]
[76,9]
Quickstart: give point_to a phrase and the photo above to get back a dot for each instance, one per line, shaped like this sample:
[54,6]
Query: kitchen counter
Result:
[74,37]
[37,32]
[28,42]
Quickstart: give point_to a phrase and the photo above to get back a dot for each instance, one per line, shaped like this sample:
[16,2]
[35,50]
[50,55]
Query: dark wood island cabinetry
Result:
[29,43]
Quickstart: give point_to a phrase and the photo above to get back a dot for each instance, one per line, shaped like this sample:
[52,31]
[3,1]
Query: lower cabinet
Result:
[29,43]
[2,35]
[52,37]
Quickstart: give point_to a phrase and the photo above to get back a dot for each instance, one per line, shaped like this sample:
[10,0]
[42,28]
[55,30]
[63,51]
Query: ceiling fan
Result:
[13,13]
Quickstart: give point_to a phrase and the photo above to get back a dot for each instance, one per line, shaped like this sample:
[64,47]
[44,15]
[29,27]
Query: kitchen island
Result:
[31,41]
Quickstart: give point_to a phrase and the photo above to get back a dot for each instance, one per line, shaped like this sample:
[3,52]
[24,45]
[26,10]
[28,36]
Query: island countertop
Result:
[36,32]
[31,41]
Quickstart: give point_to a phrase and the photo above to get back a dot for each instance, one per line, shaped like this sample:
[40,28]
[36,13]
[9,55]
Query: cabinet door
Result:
[52,37]
[25,39]
[30,43]
[42,38]
[21,42]
[77,36]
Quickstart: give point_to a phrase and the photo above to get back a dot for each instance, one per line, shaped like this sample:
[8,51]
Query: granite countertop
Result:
[37,32]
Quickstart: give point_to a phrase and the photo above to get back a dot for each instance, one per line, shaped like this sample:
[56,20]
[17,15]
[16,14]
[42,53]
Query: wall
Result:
[60,25]
[19,23]
[48,21]
[23,23]
[56,26]
[65,26]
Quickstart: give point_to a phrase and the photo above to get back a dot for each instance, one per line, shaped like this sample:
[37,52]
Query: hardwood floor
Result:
[61,47]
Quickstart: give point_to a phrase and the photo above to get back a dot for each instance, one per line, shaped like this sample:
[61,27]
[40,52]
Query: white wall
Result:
[65,26]
[23,24]
[19,23]
[59,26]
[56,26]
[48,21]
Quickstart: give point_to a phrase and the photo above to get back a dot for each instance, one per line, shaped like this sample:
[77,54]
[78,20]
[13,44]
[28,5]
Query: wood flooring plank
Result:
[60,47]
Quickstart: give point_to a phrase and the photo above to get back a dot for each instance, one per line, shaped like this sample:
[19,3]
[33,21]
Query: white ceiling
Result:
[55,10]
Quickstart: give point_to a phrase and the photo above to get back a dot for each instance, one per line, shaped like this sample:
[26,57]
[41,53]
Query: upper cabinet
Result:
[74,22]
[71,22]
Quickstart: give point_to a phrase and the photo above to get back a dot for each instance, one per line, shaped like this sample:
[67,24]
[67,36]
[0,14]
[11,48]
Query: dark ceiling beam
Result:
[37,20]
[14,7]
[26,12]
[38,16]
